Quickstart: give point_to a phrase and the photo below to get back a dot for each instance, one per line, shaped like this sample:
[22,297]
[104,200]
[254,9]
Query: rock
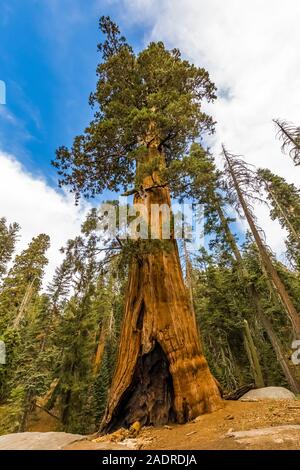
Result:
[38,440]
[265,438]
[134,444]
[268,393]
[167,427]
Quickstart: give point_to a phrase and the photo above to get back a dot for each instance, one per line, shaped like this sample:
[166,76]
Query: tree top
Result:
[153,96]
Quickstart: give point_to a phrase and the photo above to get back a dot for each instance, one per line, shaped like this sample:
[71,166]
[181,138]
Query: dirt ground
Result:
[211,431]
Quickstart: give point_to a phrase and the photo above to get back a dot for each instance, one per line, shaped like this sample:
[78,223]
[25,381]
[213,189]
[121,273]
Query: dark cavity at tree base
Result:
[150,396]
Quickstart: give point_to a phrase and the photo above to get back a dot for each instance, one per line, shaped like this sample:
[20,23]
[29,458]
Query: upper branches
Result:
[289,134]
[152,96]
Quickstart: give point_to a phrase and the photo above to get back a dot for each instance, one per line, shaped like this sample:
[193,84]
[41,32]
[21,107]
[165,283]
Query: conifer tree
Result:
[198,178]
[23,282]
[206,186]
[272,318]
[147,111]
[284,199]
[239,184]
[74,336]
[18,294]
[220,311]
[289,134]
[8,237]
[33,363]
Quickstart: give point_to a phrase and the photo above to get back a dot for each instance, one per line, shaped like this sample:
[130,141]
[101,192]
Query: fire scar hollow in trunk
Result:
[161,374]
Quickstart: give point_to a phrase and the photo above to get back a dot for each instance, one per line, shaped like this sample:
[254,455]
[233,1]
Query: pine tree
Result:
[290,136]
[74,337]
[220,311]
[19,292]
[273,320]
[23,282]
[8,237]
[284,199]
[239,181]
[219,224]
[33,363]
[199,178]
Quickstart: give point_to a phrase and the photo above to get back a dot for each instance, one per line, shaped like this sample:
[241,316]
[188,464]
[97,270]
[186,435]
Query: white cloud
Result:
[38,208]
[250,48]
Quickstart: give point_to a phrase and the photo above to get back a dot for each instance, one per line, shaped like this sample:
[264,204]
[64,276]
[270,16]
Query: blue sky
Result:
[48,58]
[48,53]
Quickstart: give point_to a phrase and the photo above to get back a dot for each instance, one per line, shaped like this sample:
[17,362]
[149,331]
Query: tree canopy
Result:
[140,97]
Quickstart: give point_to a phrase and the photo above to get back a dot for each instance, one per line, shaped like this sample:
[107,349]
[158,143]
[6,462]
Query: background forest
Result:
[61,342]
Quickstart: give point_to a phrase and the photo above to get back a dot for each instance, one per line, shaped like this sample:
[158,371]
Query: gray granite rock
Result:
[38,440]
[268,393]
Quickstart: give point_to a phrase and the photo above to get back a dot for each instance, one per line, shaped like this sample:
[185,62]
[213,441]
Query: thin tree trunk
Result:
[266,260]
[100,350]
[253,356]
[228,233]
[28,406]
[278,348]
[161,374]
[22,309]
[287,134]
[290,226]
[254,298]
[105,332]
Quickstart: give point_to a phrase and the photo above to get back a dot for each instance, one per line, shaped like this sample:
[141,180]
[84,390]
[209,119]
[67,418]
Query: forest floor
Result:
[238,425]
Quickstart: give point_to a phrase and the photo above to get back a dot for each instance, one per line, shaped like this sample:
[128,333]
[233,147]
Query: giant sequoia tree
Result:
[147,111]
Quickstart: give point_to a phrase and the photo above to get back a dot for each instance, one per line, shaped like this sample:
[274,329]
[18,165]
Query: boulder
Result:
[268,393]
[275,437]
[38,440]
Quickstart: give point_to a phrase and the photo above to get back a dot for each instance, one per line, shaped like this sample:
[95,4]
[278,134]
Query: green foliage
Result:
[284,199]
[101,386]
[10,413]
[62,344]
[220,311]
[23,281]
[139,98]
[11,339]
[8,237]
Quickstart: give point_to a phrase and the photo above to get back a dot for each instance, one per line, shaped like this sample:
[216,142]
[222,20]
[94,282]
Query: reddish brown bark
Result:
[161,374]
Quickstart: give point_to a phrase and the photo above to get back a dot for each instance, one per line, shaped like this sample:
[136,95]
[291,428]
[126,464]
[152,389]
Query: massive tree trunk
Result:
[161,374]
